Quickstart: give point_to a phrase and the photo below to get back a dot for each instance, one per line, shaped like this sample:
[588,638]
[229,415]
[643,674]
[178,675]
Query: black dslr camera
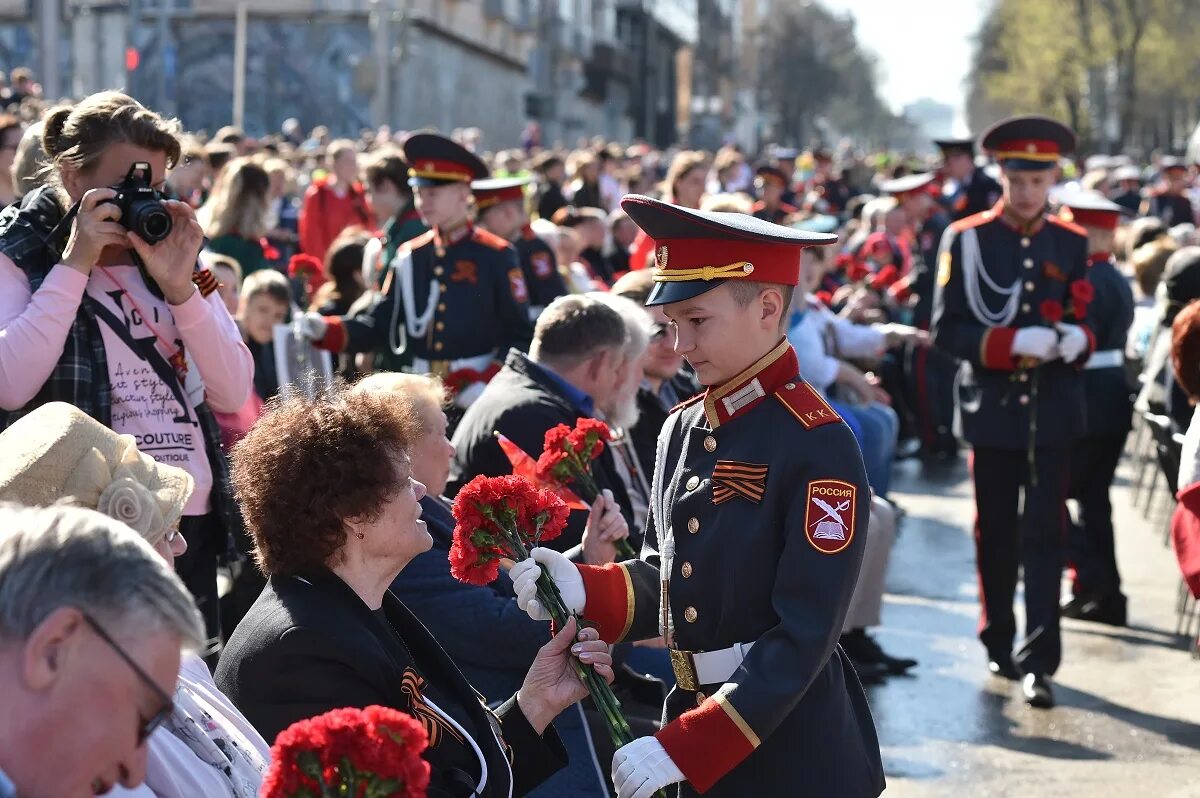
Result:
[142,208]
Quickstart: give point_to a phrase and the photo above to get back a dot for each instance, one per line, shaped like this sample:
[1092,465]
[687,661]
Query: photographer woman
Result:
[235,216]
[93,315]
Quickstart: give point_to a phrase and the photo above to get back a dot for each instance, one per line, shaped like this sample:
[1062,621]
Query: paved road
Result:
[1129,699]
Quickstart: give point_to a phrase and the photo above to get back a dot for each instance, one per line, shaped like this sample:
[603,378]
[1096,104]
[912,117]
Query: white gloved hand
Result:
[1073,343]
[643,767]
[469,394]
[1037,342]
[564,573]
[313,326]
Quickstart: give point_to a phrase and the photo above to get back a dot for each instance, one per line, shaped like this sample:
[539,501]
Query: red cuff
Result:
[609,605]
[1091,346]
[995,348]
[335,336]
[707,742]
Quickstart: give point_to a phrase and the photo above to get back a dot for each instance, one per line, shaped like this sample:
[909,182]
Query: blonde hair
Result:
[238,205]
[727,203]
[76,137]
[267,281]
[417,391]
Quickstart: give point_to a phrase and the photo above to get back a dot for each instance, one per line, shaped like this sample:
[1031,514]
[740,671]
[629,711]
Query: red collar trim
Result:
[725,402]
[1099,257]
[447,237]
[1026,228]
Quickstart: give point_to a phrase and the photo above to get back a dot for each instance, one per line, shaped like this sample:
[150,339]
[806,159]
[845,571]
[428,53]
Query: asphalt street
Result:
[1128,716]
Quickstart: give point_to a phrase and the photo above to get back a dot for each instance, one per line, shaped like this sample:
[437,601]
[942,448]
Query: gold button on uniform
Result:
[438,271]
[1028,263]
[791,386]
[693,483]
[690,615]
[437,347]
[710,443]
[441,325]
[1024,242]
[700,699]
[1024,377]
[441,307]
[693,525]
[1023,399]
[1025,308]
[686,570]
[1029,286]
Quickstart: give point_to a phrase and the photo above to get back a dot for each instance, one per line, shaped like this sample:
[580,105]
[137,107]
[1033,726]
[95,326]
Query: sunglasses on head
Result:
[146,726]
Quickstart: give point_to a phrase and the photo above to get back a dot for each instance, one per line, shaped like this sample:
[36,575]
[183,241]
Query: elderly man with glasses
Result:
[92,624]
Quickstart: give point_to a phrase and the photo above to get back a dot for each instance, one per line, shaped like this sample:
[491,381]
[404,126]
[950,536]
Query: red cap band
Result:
[719,259]
[436,169]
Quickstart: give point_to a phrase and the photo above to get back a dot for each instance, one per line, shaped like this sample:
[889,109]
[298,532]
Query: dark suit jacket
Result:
[522,403]
[310,645]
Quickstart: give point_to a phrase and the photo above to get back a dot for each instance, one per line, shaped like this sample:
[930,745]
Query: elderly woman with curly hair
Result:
[328,492]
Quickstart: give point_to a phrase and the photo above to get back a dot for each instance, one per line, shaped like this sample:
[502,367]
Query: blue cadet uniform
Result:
[758,515]
[538,262]
[455,299]
[975,195]
[765,176]
[997,275]
[1172,208]
[1094,458]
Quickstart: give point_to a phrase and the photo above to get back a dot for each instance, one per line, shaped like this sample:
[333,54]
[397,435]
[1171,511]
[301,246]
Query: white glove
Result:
[1038,342]
[564,573]
[643,767]
[313,326]
[469,394]
[1073,343]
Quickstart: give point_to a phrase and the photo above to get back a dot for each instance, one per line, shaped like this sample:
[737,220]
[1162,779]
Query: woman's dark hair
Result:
[343,264]
[76,136]
[311,464]
[1185,350]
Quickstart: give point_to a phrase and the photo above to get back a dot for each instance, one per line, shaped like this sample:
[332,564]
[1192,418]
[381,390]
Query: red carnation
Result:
[1051,310]
[856,271]
[305,266]
[825,298]
[1082,291]
[884,278]
[588,438]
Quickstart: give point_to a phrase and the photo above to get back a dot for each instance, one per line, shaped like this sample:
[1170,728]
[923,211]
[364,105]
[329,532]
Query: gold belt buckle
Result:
[684,666]
[439,368]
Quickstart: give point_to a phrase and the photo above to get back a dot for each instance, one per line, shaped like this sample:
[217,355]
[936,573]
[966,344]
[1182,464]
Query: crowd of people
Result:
[294,540]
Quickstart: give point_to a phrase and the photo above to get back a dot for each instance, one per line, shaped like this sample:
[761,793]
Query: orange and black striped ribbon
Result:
[205,281]
[731,478]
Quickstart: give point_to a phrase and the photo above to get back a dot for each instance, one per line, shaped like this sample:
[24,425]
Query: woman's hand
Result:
[605,526]
[172,261]
[551,684]
[97,225]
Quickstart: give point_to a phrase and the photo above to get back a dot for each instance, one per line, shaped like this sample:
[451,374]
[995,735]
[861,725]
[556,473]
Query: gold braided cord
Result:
[739,269]
[1026,156]
[434,175]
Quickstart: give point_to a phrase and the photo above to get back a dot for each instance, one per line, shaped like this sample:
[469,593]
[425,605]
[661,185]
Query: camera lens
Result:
[153,223]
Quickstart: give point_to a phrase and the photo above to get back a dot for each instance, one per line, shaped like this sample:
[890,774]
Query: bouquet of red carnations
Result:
[497,518]
[350,753]
[566,461]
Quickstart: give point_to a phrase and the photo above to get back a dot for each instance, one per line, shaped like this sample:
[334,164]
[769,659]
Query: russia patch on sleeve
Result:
[829,514]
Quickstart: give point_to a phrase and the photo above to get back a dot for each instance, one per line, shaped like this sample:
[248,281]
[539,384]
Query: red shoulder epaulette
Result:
[489,239]
[416,242]
[808,406]
[1074,228]
[687,402]
[758,206]
[974,220]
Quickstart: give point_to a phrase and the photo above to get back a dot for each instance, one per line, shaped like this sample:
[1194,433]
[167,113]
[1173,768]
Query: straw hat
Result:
[59,453]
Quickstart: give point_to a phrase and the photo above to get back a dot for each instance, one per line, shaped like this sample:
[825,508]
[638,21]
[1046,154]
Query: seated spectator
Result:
[343,267]
[665,383]
[327,632]
[576,363]
[1149,262]
[588,224]
[266,301]
[92,624]
[56,453]
[229,279]
[1160,392]
[489,638]
[235,215]
[78,316]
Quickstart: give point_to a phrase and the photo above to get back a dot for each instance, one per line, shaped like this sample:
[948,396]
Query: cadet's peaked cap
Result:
[900,186]
[1028,142]
[1127,173]
[495,190]
[1091,209]
[436,160]
[695,251]
[1171,163]
[771,174]
[948,146]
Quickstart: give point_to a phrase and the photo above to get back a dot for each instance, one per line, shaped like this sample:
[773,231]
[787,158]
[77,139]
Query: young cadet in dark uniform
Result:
[1167,200]
[759,506]
[500,209]
[967,190]
[785,162]
[1020,392]
[1128,182]
[1097,589]
[771,183]
[454,296]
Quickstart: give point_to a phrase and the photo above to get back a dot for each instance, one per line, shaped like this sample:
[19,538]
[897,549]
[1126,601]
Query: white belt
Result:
[480,362]
[693,669]
[1105,359]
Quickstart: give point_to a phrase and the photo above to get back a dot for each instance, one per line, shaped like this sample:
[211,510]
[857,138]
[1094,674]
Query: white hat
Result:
[59,453]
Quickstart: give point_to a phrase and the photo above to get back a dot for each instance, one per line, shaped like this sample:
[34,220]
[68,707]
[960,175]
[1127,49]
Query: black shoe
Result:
[1004,667]
[869,672]
[861,647]
[1037,691]
[1110,611]
[1073,607]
